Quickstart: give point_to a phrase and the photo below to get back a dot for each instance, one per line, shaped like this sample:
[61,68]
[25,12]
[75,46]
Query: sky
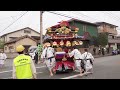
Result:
[32,19]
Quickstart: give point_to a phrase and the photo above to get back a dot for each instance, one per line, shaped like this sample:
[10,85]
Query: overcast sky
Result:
[32,19]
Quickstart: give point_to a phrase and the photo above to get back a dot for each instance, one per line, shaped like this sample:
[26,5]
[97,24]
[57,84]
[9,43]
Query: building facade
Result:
[104,27]
[26,41]
[19,33]
[84,27]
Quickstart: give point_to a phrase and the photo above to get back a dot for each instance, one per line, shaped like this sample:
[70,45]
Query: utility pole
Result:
[41,28]
[41,34]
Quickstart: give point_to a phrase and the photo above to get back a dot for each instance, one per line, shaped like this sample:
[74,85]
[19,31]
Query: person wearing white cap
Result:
[48,57]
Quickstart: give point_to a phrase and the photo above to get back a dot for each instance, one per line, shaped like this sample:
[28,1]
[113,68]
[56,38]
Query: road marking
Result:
[69,77]
[12,70]
[6,71]
[11,77]
[7,78]
[39,72]
[41,67]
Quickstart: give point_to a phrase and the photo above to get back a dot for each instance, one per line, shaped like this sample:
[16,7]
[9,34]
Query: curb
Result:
[102,56]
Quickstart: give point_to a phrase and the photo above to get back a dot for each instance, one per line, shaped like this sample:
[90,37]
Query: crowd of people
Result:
[101,51]
[24,67]
[83,62]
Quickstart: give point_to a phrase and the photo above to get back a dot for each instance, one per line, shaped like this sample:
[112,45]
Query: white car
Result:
[32,51]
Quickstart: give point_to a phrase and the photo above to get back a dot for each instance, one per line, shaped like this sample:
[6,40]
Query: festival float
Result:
[62,39]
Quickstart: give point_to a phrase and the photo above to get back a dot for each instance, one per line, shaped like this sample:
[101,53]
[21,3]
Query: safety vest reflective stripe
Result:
[23,67]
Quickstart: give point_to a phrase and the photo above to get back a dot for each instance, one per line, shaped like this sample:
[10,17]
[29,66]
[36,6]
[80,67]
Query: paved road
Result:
[104,68]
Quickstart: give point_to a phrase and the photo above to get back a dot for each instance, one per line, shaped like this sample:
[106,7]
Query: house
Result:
[84,27]
[26,41]
[104,27]
[19,33]
[10,46]
[25,36]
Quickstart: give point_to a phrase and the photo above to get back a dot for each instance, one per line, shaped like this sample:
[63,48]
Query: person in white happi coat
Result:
[48,57]
[2,59]
[88,59]
[78,57]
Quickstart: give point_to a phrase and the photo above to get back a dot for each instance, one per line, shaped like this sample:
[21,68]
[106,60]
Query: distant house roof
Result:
[99,23]
[78,21]
[17,39]
[20,30]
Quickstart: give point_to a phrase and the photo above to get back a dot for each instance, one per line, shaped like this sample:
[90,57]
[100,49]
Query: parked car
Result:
[114,52]
[32,51]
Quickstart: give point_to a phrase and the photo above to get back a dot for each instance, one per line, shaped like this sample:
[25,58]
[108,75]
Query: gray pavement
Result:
[104,68]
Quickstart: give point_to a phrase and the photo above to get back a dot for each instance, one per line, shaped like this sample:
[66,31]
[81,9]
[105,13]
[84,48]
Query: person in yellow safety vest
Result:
[23,66]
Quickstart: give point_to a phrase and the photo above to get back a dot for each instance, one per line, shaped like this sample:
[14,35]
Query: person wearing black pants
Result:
[36,57]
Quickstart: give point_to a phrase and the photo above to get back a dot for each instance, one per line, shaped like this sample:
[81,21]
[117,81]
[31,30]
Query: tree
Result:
[94,41]
[103,39]
[1,44]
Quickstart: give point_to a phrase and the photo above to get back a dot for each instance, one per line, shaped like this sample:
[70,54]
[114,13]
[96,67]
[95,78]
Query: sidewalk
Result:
[98,56]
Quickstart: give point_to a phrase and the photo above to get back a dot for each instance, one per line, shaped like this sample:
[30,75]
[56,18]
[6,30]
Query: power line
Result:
[111,16]
[79,13]
[64,15]
[118,18]
[14,21]
[5,18]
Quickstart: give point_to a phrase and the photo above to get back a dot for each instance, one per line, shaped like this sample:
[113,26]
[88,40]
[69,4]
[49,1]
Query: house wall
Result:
[9,48]
[26,41]
[107,28]
[11,53]
[83,27]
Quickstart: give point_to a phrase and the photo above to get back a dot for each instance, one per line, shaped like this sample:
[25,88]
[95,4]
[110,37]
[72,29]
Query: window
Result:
[84,28]
[27,31]
[113,37]
[5,48]
[11,47]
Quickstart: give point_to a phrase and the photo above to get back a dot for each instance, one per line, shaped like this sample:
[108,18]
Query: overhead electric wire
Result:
[79,13]
[6,18]
[112,17]
[14,22]
[64,15]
